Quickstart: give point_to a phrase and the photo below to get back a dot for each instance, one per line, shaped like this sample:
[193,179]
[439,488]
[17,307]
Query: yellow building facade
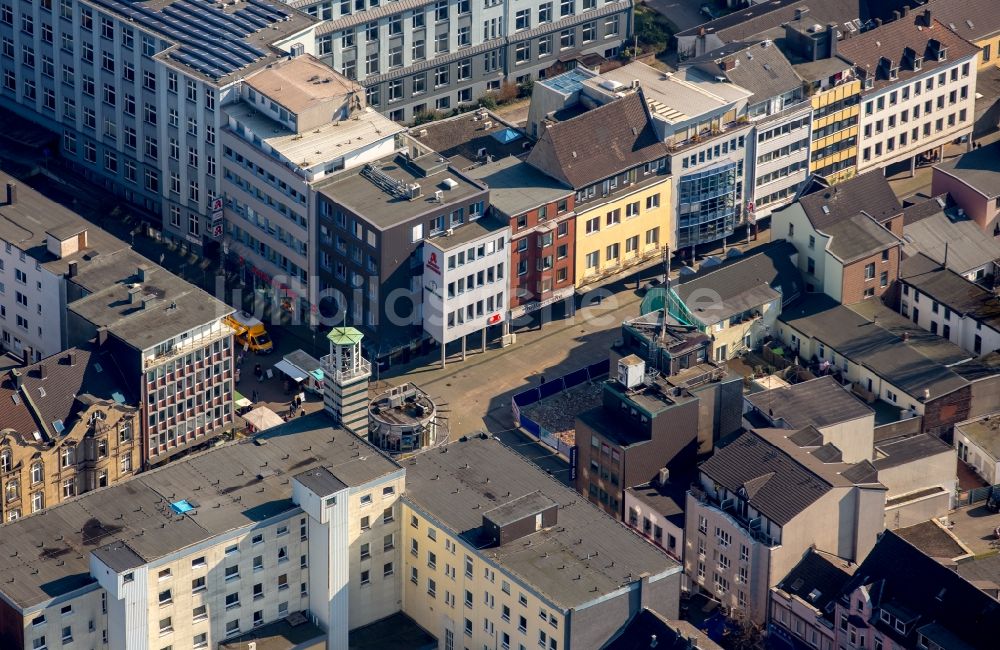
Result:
[834,146]
[631,227]
[452,590]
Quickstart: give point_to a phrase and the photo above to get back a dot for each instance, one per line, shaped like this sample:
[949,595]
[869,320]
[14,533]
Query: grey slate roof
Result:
[891,39]
[458,483]
[777,485]
[927,233]
[952,290]
[600,143]
[979,169]
[816,403]
[49,561]
[869,193]
[761,68]
[901,577]
[863,342]
[858,237]
[930,345]
[743,283]
[973,20]
[817,579]
[750,21]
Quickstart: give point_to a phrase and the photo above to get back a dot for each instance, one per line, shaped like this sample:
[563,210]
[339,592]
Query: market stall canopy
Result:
[262,418]
[293,371]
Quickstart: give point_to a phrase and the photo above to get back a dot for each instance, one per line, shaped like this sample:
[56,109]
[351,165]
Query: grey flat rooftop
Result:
[863,342]
[985,432]
[399,632]
[385,210]
[47,554]
[933,540]
[280,635]
[667,500]
[819,403]
[173,305]
[321,481]
[469,232]
[516,509]
[516,187]
[462,138]
[26,223]
[456,484]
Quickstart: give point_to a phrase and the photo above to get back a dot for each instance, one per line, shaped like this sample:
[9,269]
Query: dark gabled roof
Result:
[951,289]
[850,334]
[979,169]
[866,50]
[817,579]
[900,577]
[600,143]
[61,394]
[820,402]
[971,19]
[931,228]
[782,488]
[760,67]
[745,23]
[869,193]
[744,282]
[858,237]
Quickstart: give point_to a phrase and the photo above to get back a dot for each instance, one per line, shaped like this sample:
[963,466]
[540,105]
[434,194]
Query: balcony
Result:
[750,526]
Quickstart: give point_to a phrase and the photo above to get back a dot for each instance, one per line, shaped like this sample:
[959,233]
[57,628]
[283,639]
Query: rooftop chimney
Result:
[71,269]
[41,371]
[134,295]
[895,14]
[27,354]
[801,11]
[831,29]
[11,193]
[906,10]
[15,376]
[140,274]
[927,18]
[878,22]
[71,357]
[727,64]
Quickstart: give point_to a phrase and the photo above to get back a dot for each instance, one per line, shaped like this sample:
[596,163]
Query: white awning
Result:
[263,418]
[291,370]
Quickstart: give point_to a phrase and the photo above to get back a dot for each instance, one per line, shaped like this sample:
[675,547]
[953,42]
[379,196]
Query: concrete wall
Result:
[792,224]
[973,454]
[982,209]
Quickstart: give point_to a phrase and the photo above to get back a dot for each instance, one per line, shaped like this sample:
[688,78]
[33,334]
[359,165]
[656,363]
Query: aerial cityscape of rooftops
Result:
[461,324]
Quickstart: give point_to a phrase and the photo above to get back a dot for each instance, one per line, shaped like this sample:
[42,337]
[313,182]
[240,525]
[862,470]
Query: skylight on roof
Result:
[41,391]
[59,427]
[181,507]
[16,399]
[97,367]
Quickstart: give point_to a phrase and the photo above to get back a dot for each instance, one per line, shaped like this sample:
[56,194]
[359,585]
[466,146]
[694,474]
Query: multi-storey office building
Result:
[754,509]
[542,221]
[199,551]
[136,90]
[778,155]
[374,220]
[612,158]
[68,428]
[496,553]
[835,100]
[307,521]
[465,282]
[437,55]
[918,90]
[296,121]
[41,242]
[169,341]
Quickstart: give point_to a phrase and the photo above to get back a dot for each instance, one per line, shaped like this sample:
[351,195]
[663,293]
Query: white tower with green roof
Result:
[345,380]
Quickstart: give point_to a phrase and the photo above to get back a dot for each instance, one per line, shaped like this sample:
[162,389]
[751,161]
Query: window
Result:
[870,271]
[166,625]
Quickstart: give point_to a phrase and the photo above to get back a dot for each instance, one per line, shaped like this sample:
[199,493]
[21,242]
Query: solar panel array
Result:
[209,40]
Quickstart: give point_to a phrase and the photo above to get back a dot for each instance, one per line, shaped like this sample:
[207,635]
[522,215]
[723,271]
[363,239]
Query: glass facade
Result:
[709,204]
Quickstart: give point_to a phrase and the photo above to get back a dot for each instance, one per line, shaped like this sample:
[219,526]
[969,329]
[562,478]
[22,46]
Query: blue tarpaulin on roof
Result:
[505,136]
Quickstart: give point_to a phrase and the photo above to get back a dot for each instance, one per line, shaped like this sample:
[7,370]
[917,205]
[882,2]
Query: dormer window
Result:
[942,54]
[918,62]
[894,73]
[869,83]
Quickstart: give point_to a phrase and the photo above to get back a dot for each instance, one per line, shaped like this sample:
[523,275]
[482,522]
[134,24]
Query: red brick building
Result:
[542,224]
